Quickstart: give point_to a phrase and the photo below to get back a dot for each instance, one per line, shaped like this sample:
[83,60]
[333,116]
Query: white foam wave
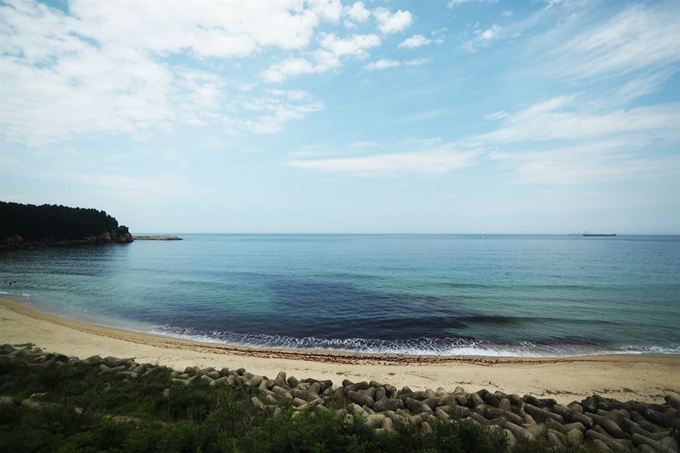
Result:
[415,346]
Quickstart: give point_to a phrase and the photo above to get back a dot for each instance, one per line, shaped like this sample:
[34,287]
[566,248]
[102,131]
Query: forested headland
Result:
[27,225]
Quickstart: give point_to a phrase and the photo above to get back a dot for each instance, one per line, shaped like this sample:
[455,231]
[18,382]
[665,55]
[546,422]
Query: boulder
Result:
[541,403]
[541,414]
[481,420]
[554,439]
[537,430]
[375,421]
[475,399]
[280,380]
[280,391]
[303,394]
[576,425]
[442,415]
[380,394]
[356,387]
[387,424]
[518,431]
[575,436]
[220,381]
[7,349]
[491,400]
[493,412]
[460,399]
[673,401]
[610,442]
[388,404]
[460,412]
[554,425]
[293,382]
[362,399]
[417,407]
[510,437]
[609,425]
[505,404]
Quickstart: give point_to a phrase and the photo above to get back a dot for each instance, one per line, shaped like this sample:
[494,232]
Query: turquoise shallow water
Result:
[415,294]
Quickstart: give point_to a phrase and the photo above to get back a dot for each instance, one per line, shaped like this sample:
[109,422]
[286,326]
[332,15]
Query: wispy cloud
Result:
[417,61]
[443,159]
[386,63]
[497,115]
[319,150]
[454,3]
[638,37]
[383,63]
[557,119]
[598,162]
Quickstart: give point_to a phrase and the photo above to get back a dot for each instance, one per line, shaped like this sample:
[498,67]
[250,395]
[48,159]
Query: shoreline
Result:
[643,377]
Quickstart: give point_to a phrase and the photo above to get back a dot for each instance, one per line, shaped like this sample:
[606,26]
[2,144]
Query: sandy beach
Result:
[625,377]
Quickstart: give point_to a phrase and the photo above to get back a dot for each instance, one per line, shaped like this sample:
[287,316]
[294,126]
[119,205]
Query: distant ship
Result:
[593,234]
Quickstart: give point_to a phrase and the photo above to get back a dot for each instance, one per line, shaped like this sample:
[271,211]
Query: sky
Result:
[330,116]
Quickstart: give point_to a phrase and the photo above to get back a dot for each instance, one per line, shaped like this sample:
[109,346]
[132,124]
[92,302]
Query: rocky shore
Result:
[156,238]
[16,242]
[610,424]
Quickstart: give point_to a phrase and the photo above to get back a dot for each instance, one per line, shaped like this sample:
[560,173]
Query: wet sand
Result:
[624,377]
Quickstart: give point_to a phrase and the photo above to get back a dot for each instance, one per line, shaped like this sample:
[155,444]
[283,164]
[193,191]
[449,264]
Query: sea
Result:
[491,295]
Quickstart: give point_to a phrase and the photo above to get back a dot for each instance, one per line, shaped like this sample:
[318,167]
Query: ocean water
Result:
[408,294]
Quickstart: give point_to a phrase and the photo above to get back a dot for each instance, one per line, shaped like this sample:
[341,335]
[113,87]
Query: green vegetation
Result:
[56,223]
[60,407]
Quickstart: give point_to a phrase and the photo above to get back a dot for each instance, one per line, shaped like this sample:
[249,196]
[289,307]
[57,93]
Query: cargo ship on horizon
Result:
[598,234]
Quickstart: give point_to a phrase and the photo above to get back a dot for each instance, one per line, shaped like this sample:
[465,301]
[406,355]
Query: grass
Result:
[79,409]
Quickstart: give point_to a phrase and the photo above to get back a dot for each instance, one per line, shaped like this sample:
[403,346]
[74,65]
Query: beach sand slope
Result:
[624,377]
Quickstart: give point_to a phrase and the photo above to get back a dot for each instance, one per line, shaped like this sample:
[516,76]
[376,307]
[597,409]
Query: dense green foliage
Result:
[35,223]
[76,408]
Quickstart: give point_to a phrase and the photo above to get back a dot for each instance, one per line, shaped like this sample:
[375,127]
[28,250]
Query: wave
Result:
[568,346]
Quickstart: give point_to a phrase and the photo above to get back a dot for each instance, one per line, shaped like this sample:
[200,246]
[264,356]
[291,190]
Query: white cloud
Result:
[274,109]
[327,9]
[207,29]
[484,38]
[356,45]
[490,33]
[639,37]
[358,12]
[497,115]
[415,41]
[104,67]
[392,23]
[552,120]
[640,85]
[383,63]
[332,149]
[327,57]
[597,162]
[506,13]
[454,3]
[288,68]
[441,160]
[417,61]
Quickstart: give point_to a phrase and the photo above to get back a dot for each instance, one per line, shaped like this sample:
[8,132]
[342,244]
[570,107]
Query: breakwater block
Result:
[610,424]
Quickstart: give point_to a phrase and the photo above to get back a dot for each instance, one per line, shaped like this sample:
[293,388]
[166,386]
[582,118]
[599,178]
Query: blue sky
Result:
[291,116]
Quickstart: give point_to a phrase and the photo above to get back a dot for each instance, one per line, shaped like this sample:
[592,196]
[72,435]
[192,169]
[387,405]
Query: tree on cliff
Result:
[56,223]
